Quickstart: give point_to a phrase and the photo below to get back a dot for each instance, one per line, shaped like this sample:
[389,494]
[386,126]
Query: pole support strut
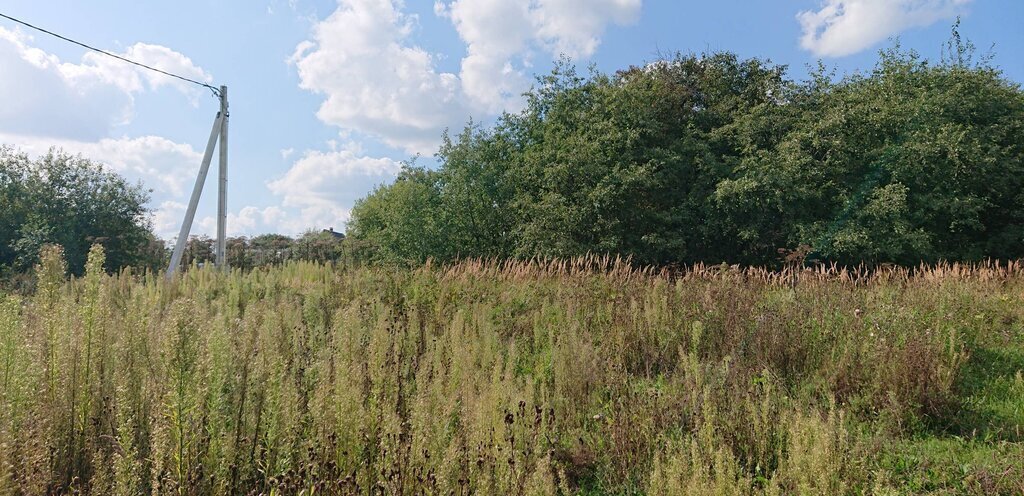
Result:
[218,133]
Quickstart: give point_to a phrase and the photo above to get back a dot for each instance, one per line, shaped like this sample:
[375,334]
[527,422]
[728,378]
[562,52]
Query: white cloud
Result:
[251,220]
[246,221]
[82,101]
[322,186]
[133,79]
[495,31]
[97,95]
[76,106]
[162,165]
[41,99]
[374,80]
[501,37]
[574,27]
[845,27]
[167,169]
[166,219]
[273,216]
[377,81]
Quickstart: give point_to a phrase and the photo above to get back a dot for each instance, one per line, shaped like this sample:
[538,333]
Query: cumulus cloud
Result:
[502,36]
[845,27]
[166,168]
[42,99]
[249,221]
[132,79]
[377,81]
[166,219]
[76,106]
[322,187]
[161,164]
[49,97]
[316,192]
[374,80]
[495,31]
[574,27]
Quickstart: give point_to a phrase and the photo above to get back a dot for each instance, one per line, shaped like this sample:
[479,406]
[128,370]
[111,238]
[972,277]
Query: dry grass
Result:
[544,377]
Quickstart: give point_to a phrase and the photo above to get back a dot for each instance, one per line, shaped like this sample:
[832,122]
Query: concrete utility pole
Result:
[219,132]
[222,190]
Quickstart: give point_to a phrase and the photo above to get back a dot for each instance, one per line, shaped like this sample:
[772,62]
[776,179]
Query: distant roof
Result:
[332,232]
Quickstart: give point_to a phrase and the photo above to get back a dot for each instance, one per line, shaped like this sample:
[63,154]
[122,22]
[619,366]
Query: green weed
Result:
[583,376]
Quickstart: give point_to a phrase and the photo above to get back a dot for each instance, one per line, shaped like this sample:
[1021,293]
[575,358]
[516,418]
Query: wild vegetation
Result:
[711,158]
[688,159]
[72,201]
[268,249]
[587,376]
[461,339]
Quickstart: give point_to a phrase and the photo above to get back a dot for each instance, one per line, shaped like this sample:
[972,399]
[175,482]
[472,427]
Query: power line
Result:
[104,52]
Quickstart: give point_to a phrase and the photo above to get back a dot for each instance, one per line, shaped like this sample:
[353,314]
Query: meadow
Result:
[585,376]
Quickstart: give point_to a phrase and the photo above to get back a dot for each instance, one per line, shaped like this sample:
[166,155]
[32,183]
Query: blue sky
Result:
[328,96]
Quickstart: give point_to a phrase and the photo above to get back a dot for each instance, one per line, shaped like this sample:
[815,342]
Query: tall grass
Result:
[565,377]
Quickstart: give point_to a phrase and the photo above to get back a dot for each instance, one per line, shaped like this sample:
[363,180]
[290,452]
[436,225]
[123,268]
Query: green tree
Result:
[267,249]
[911,162]
[627,164]
[317,246]
[476,192]
[198,250]
[74,202]
[238,253]
[404,222]
[712,158]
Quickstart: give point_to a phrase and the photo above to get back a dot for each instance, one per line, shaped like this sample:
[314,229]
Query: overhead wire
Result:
[215,91]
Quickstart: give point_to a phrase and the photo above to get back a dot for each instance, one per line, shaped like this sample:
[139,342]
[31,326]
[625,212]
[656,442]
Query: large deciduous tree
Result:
[71,201]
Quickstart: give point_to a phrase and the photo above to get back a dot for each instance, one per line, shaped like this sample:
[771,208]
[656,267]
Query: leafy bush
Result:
[710,158]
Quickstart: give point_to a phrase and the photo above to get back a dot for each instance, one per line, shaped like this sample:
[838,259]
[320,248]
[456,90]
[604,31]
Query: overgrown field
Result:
[583,377]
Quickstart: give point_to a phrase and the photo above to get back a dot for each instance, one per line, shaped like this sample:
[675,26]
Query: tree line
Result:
[691,158]
[713,158]
[71,201]
[246,253]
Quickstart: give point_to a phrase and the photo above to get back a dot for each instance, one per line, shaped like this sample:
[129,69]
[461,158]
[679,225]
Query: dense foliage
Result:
[71,201]
[583,377]
[712,158]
